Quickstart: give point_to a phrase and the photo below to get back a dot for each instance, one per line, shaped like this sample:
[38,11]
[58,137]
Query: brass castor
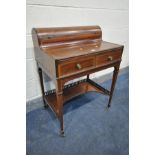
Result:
[108,106]
[62,133]
[45,104]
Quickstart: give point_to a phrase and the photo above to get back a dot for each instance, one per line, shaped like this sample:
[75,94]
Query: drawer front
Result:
[75,65]
[108,57]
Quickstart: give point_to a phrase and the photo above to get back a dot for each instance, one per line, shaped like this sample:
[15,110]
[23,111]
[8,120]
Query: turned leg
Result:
[115,73]
[42,86]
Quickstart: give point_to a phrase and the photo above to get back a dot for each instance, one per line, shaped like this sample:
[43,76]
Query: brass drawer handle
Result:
[110,58]
[78,66]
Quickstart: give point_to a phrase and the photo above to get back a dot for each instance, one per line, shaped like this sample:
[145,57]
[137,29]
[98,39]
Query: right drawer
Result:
[108,57]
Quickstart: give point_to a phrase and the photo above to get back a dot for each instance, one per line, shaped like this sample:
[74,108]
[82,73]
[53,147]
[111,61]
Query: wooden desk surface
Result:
[79,50]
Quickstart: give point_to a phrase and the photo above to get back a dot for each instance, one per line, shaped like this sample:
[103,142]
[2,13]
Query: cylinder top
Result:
[56,36]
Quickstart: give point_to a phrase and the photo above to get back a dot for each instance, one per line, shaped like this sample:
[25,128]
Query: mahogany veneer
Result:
[66,53]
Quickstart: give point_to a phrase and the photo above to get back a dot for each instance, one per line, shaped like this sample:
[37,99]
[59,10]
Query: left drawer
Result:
[75,65]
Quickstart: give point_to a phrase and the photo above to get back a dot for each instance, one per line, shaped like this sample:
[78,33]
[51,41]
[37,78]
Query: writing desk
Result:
[66,53]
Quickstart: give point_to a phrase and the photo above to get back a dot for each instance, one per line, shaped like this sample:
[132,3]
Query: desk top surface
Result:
[79,50]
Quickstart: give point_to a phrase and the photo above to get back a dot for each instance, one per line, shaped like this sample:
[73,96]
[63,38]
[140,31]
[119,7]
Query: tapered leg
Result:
[115,73]
[59,95]
[42,85]
[87,84]
[87,76]
[60,102]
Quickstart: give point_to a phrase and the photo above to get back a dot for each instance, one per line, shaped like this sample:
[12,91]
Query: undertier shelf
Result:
[73,90]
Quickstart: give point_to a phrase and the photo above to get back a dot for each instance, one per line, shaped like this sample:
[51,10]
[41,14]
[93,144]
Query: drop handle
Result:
[110,58]
[78,66]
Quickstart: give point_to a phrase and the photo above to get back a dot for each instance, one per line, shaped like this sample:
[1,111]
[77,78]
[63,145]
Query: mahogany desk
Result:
[66,53]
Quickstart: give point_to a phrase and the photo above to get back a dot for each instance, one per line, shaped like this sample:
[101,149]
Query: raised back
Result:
[67,36]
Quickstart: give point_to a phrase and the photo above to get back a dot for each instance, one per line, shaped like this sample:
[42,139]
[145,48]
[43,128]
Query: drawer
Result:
[108,57]
[75,65]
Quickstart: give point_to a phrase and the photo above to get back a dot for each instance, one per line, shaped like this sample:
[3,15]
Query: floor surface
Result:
[90,129]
